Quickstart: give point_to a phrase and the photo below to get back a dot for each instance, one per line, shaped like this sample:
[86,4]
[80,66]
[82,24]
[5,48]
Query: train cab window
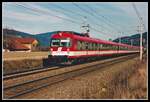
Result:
[65,42]
[55,42]
[61,42]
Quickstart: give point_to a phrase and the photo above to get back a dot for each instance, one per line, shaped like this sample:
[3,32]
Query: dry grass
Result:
[131,84]
[21,61]
[23,55]
[21,65]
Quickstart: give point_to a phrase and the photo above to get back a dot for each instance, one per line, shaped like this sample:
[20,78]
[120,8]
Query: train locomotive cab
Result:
[60,45]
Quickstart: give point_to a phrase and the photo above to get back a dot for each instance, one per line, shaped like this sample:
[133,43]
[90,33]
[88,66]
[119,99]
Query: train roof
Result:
[72,32]
[83,37]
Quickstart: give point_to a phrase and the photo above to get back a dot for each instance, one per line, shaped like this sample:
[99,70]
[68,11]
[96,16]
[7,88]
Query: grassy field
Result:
[24,55]
[11,66]
[21,61]
[132,86]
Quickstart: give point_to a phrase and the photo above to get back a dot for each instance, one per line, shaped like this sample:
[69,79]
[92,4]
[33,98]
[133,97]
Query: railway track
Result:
[29,86]
[29,72]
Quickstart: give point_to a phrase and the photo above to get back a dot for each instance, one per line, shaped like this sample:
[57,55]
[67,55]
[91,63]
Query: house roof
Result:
[18,46]
[17,43]
[24,40]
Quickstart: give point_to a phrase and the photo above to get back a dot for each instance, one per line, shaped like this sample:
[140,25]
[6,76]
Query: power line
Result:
[88,12]
[68,10]
[138,14]
[108,21]
[116,23]
[40,11]
[43,12]
[108,18]
[140,29]
[94,14]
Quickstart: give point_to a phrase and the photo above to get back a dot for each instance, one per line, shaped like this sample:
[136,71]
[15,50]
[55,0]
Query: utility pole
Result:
[140,29]
[120,38]
[141,23]
[141,51]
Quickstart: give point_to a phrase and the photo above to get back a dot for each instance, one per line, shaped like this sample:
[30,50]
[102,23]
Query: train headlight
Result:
[51,49]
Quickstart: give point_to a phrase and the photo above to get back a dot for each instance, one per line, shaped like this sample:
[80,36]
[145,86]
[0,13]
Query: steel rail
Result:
[29,72]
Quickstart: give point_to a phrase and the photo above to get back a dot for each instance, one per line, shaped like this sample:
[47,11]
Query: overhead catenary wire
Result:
[140,18]
[98,17]
[115,23]
[43,12]
[106,21]
[110,19]
[70,11]
[92,14]
[85,11]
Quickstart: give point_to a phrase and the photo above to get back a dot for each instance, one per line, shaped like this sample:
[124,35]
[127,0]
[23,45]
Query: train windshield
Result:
[60,42]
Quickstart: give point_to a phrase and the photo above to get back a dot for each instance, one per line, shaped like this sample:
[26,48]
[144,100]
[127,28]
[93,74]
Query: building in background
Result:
[23,44]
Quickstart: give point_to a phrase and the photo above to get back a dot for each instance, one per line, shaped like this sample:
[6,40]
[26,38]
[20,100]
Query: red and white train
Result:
[67,46]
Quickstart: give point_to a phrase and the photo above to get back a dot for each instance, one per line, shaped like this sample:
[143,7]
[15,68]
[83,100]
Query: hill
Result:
[133,39]
[12,33]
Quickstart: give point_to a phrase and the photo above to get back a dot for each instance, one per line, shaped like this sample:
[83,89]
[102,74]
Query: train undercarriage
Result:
[79,60]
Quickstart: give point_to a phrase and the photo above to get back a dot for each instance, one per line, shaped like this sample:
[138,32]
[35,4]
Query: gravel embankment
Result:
[95,85]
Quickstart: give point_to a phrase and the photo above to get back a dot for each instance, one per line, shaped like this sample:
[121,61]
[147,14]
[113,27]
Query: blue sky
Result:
[107,17]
